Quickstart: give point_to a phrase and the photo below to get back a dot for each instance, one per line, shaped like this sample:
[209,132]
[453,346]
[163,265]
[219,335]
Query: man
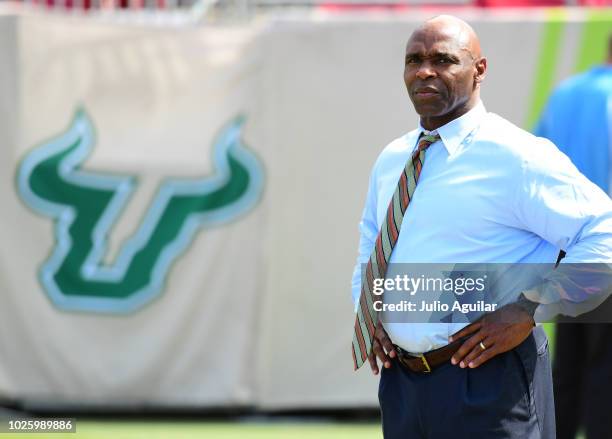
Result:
[578,119]
[467,187]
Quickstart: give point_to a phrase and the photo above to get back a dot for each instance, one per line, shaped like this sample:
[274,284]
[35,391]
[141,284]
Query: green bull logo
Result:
[84,206]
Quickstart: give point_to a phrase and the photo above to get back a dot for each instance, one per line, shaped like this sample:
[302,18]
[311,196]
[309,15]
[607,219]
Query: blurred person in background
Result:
[578,119]
[467,186]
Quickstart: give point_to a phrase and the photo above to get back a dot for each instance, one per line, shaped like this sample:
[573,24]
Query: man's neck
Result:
[435,122]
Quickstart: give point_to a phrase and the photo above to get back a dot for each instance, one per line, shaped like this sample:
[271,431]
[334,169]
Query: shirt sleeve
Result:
[555,201]
[368,231]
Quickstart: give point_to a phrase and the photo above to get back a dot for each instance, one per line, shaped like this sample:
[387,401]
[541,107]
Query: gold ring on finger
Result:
[482,346]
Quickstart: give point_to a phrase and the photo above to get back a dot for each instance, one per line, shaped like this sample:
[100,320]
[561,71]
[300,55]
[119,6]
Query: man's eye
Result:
[411,60]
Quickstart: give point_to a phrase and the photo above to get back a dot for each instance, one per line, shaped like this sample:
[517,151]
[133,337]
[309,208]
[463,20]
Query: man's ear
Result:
[481,70]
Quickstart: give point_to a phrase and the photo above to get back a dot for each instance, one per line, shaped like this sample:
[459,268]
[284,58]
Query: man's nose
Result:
[425,71]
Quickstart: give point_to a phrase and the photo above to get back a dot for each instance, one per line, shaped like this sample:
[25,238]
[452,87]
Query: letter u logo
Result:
[84,206]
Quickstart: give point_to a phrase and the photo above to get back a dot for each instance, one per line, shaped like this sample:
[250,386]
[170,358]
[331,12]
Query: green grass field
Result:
[193,430]
[189,430]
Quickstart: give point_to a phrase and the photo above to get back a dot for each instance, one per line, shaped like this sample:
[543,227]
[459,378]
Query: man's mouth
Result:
[425,92]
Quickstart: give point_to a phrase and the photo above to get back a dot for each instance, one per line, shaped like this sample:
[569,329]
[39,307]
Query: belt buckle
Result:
[425,363]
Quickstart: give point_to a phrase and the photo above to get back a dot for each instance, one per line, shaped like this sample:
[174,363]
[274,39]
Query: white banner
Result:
[133,262]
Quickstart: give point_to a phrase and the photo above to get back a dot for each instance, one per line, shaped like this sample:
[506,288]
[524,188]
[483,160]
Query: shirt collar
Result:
[455,132]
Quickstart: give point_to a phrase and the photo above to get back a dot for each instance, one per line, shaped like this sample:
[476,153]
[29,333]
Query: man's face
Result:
[440,75]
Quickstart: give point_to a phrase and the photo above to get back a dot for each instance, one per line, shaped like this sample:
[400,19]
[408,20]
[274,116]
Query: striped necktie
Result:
[367,317]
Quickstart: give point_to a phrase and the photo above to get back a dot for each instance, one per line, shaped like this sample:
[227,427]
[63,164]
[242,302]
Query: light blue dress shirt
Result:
[489,192]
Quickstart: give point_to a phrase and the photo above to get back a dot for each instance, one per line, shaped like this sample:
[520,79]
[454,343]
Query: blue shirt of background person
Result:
[578,119]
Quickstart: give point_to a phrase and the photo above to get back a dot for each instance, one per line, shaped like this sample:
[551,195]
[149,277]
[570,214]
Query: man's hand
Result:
[499,331]
[381,348]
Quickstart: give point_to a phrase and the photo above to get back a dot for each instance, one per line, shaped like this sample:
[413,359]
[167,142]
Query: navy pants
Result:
[509,396]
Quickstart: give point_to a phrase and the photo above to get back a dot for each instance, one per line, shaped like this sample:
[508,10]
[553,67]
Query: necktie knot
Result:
[426,140]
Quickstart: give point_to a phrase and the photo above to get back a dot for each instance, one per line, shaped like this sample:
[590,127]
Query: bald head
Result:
[455,29]
[443,71]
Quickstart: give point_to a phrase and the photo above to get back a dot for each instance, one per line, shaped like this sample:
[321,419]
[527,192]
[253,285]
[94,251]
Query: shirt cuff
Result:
[526,304]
